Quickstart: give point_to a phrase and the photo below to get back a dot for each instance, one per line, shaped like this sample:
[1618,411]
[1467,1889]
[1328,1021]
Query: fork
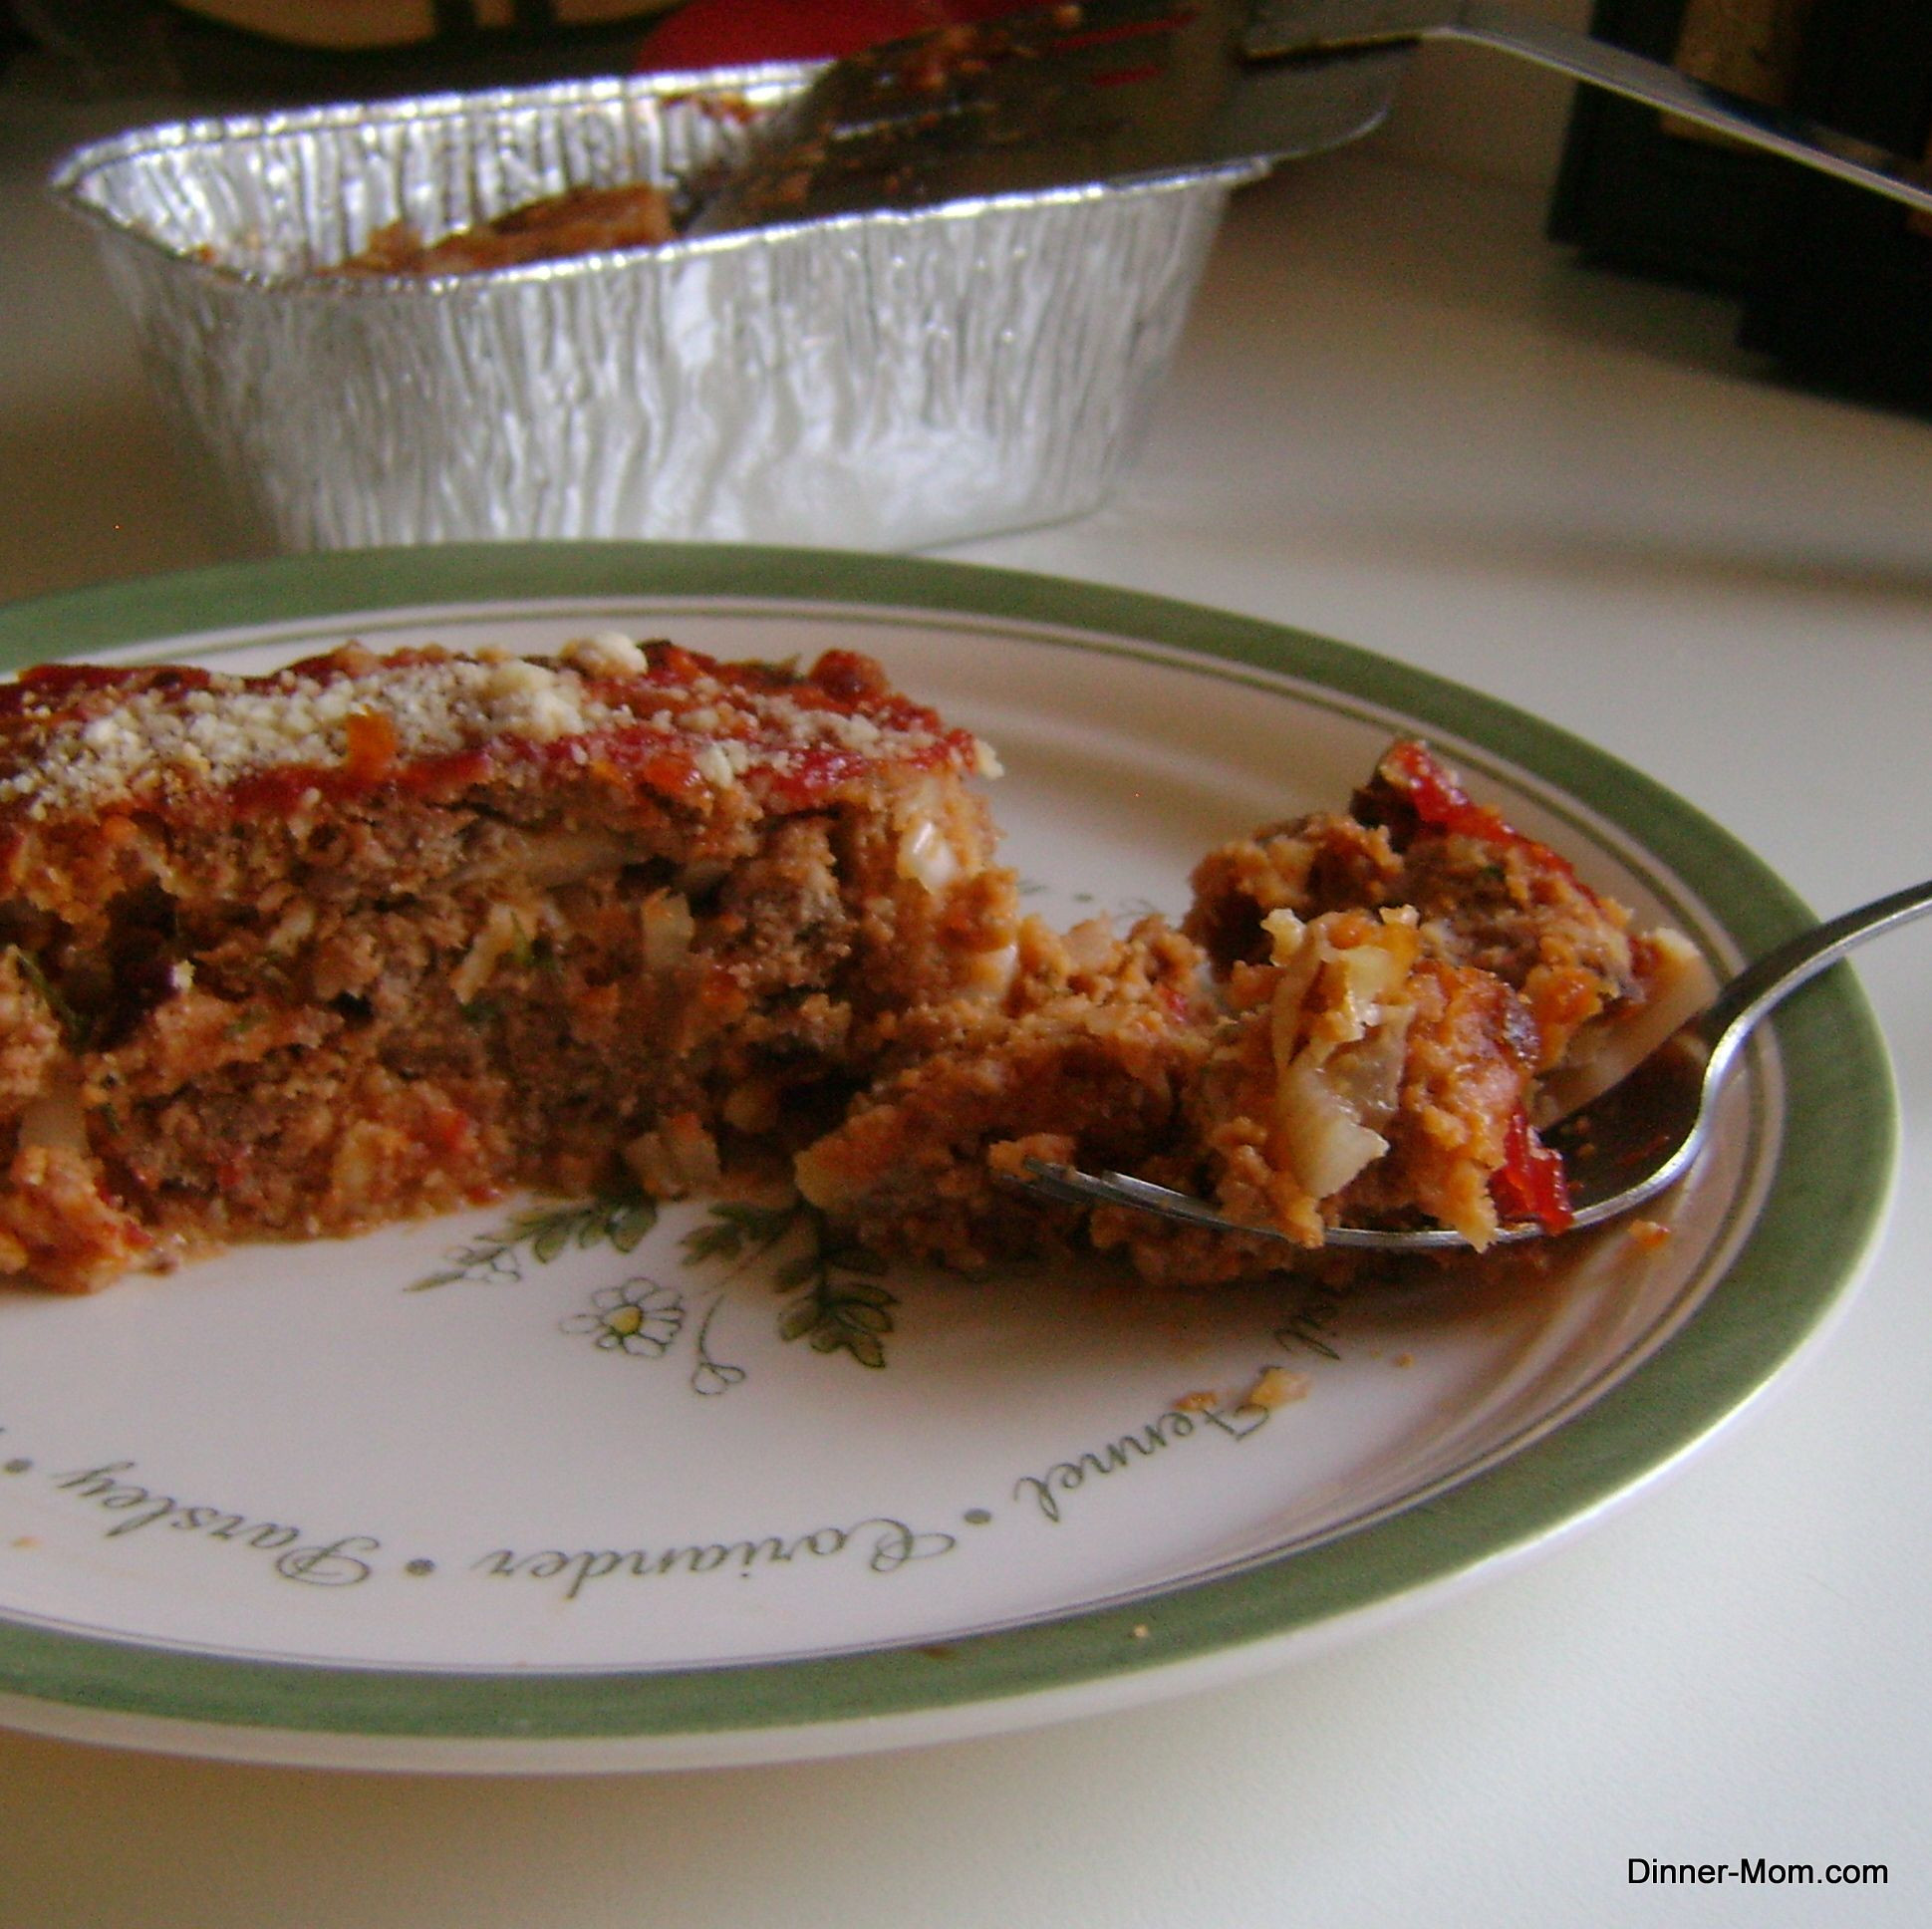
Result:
[1623,1148]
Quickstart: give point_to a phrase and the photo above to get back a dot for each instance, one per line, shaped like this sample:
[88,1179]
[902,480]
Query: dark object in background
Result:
[1841,295]
[1835,286]
[1635,194]
[149,49]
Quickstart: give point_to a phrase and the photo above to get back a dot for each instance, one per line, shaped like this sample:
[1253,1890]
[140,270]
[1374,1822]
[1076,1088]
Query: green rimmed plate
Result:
[575,1487]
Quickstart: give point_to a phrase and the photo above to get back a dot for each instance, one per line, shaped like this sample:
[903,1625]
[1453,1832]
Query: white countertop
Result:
[1401,418]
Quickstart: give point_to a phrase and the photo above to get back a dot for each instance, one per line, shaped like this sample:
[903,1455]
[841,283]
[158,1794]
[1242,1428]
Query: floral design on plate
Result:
[639,1317]
[834,1299]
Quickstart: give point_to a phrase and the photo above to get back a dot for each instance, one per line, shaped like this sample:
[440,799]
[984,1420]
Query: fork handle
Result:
[1762,986]
[1282,28]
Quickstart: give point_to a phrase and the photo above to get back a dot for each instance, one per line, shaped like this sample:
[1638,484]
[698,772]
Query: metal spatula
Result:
[1113,90]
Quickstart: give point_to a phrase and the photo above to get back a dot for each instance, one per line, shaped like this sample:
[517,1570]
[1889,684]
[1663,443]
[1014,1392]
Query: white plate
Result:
[498,1493]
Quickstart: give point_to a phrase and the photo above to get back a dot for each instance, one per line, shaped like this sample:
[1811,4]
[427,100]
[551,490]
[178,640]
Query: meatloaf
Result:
[583,220]
[1362,1018]
[372,936]
[298,953]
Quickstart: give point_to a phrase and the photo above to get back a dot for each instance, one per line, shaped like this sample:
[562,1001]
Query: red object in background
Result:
[742,33]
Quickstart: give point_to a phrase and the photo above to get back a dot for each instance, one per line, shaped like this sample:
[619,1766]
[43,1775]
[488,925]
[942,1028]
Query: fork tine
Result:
[1072,1187]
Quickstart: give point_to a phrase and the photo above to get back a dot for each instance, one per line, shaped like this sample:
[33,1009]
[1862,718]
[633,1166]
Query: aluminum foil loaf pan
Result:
[874,381]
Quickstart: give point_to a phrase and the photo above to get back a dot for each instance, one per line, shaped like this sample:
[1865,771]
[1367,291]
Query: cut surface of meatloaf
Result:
[372,936]
[1087,1060]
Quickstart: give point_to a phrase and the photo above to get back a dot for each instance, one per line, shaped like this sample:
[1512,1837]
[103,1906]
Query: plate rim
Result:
[1793,1272]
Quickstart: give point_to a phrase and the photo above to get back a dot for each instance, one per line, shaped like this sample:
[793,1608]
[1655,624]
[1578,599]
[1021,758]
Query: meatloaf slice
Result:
[372,936]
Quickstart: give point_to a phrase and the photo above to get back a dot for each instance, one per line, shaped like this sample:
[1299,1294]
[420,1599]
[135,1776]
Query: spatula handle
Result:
[1282,28]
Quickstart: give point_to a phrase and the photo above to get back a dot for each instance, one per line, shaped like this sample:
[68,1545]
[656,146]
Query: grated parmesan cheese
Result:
[605,652]
[150,739]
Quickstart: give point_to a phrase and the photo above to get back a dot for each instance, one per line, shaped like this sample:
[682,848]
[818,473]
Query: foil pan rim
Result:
[68,178]
[69,175]
[200,129]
